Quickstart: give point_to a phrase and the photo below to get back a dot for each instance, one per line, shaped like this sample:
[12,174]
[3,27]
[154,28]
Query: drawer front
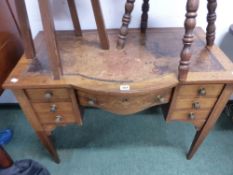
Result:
[197,103]
[190,91]
[190,115]
[47,95]
[57,113]
[55,107]
[124,103]
[57,118]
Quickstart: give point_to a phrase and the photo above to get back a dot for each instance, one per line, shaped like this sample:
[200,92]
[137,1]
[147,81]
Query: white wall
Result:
[163,13]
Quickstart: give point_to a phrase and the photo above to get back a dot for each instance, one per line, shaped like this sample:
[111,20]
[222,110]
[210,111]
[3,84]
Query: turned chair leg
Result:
[144,18]
[125,24]
[190,24]
[211,18]
[74,17]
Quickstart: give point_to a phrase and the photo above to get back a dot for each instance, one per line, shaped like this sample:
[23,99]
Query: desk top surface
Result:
[147,62]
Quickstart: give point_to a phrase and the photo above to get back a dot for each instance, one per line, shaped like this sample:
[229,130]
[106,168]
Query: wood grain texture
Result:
[205,103]
[58,94]
[25,29]
[74,17]
[11,48]
[124,104]
[125,24]
[211,18]
[51,41]
[100,24]
[190,24]
[46,141]
[213,117]
[192,91]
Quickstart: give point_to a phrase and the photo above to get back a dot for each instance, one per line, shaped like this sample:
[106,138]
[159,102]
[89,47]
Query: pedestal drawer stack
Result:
[193,103]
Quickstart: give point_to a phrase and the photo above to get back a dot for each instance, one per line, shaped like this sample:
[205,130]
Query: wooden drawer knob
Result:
[202,92]
[192,116]
[59,118]
[48,95]
[91,102]
[196,105]
[160,99]
[53,108]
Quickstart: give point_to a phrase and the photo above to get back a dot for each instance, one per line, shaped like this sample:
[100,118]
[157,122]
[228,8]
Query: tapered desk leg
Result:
[125,24]
[46,141]
[5,159]
[211,18]
[35,123]
[190,24]
[75,18]
[144,18]
[214,115]
[100,24]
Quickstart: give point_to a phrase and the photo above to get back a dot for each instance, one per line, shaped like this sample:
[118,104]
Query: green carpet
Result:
[107,144]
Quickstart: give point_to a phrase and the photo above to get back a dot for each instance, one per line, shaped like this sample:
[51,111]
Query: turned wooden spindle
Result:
[190,24]
[211,18]
[125,24]
[144,18]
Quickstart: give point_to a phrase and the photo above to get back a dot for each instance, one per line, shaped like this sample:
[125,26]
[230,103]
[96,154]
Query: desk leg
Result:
[46,141]
[214,115]
[35,123]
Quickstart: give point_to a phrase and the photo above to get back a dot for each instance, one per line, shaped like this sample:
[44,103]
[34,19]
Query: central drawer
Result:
[124,104]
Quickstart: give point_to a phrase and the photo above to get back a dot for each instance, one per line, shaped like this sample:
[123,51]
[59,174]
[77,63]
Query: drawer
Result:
[53,107]
[196,103]
[124,103]
[58,113]
[57,118]
[197,118]
[191,91]
[190,115]
[47,95]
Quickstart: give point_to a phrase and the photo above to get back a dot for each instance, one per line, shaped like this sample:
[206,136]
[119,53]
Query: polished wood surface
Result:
[145,72]
[11,47]
[124,104]
[189,25]
[5,159]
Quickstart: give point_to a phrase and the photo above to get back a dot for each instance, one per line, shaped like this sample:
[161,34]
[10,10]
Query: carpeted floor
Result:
[142,144]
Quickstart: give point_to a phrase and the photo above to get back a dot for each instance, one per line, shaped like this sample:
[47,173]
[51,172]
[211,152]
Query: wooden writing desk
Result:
[148,71]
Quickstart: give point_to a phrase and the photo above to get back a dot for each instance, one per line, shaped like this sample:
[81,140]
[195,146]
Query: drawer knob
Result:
[53,108]
[48,95]
[196,105]
[202,91]
[59,118]
[160,99]
[91,102]
[192,116]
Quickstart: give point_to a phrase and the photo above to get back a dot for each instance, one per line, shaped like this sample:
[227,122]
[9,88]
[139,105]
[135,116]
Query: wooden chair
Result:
[98,18]
[190,23]
[11,50]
